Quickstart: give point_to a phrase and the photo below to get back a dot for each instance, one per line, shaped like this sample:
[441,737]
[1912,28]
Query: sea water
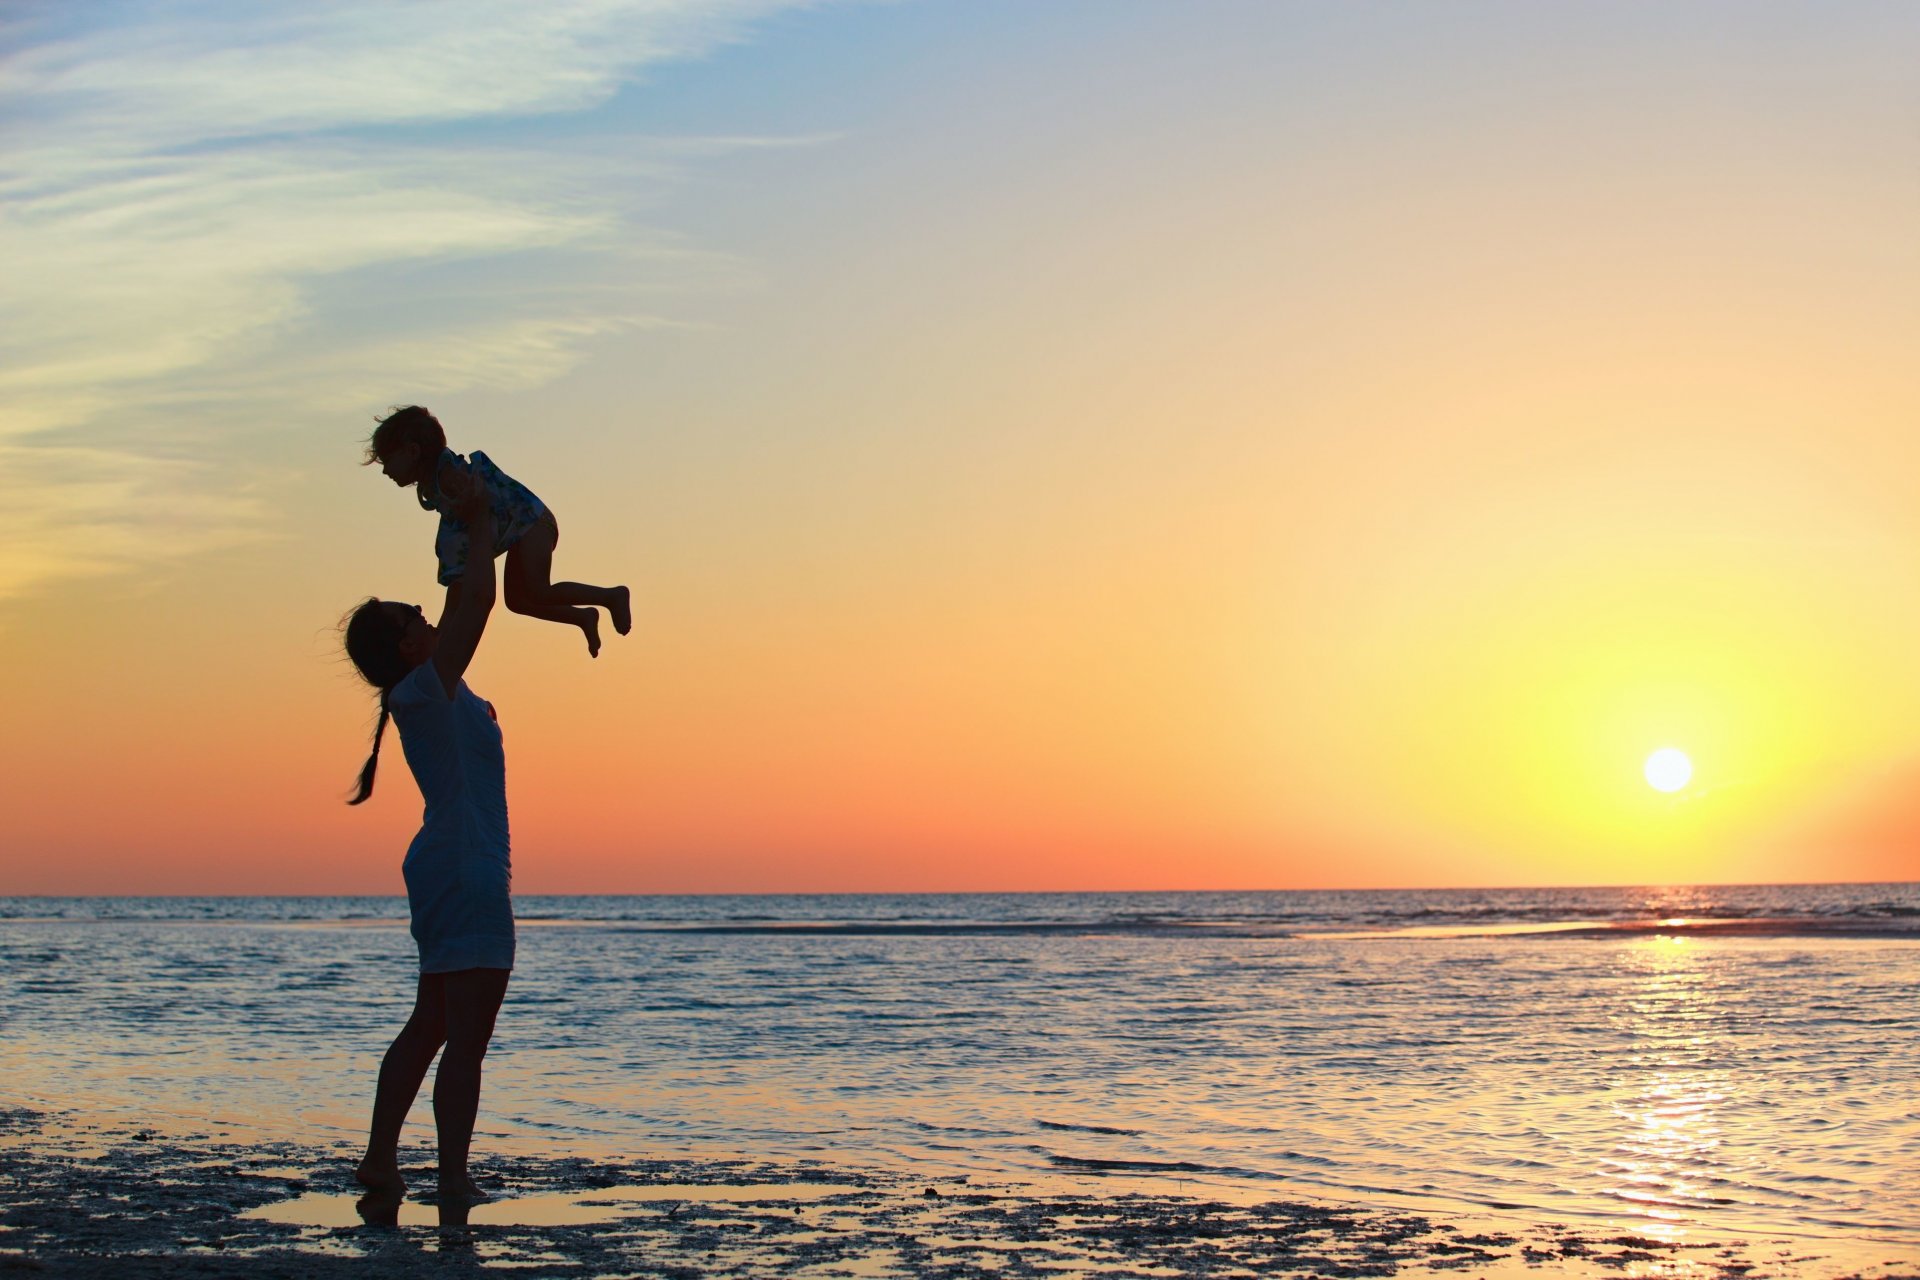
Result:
[1692,1062]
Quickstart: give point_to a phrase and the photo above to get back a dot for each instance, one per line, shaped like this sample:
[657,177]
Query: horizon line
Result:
[958,893]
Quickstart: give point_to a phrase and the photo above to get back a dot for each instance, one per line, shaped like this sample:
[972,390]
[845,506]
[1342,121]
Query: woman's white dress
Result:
[458,873]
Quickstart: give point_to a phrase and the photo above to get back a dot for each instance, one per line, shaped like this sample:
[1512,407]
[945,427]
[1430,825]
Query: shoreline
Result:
[96,1200]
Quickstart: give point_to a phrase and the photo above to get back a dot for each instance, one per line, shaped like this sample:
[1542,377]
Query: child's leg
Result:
[531,590]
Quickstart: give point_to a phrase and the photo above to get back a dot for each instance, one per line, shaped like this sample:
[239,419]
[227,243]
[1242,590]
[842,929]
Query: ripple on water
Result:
[1717,1082]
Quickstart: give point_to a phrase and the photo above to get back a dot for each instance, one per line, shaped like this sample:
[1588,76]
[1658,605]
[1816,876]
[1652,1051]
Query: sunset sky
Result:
[1052,445]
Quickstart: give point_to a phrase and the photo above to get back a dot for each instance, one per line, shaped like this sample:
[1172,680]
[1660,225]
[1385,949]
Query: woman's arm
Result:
[470,600]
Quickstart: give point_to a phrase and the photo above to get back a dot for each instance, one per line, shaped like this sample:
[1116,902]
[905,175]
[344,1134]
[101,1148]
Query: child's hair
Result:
[373,643]
[407,424]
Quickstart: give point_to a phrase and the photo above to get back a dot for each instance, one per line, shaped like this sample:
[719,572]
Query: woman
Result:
[456,869]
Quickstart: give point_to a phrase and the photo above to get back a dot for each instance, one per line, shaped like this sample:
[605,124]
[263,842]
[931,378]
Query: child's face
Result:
[402,463]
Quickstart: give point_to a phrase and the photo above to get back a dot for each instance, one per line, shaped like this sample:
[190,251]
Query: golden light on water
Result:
[1667,1153]
[1668,769]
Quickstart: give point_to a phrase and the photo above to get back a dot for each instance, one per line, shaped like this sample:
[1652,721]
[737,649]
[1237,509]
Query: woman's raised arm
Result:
[470,599]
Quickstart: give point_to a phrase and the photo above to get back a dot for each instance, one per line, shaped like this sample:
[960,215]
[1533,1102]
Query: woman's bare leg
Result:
[401,1072]
[530,588]
[472,1002]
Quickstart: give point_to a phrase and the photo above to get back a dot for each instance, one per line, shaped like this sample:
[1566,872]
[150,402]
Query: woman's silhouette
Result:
[456,870]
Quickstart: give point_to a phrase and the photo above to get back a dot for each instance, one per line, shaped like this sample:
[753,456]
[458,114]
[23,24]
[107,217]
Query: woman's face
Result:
[417,635]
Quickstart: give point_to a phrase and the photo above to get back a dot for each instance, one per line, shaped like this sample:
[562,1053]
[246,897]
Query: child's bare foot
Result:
[460,1187]
[383,1179]
[621,610]
[590,623]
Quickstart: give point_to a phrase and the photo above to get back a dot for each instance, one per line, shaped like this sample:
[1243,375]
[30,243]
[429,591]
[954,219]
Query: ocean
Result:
[1679,1061]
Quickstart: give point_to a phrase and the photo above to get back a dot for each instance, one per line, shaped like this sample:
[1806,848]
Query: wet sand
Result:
[94,1200]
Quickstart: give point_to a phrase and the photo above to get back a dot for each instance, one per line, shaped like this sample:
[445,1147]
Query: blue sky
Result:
[216,208]
[219,211]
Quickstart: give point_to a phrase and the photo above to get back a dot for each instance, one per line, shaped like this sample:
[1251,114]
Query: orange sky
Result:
[1293,449]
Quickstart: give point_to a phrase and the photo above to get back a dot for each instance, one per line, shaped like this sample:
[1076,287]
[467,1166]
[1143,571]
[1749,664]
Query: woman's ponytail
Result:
[373,759]
[373,645]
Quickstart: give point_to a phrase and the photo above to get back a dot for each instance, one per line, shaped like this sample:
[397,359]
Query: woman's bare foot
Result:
[590,623]
[384,1179]
[621,610]
[460,1187]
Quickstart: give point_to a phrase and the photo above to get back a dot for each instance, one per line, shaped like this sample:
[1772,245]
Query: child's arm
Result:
[469,600]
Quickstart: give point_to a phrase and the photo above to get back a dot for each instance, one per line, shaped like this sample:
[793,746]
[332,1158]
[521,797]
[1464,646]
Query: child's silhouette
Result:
[411,448]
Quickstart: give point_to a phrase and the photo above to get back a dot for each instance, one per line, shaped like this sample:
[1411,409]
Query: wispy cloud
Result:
[69,512]
[172,74]
[192,197]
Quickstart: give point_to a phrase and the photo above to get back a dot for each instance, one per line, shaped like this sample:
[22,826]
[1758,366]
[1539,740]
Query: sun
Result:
[1668,769]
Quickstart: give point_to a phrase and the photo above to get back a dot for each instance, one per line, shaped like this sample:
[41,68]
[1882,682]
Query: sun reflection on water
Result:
[1666,1160]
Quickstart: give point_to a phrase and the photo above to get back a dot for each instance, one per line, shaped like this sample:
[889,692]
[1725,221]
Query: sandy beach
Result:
[85,1199]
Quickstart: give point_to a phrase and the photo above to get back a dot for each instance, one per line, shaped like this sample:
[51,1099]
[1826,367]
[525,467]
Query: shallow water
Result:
[1684,1062]
[548,1209]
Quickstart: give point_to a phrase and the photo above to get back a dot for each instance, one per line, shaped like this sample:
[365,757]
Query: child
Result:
[412,450]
